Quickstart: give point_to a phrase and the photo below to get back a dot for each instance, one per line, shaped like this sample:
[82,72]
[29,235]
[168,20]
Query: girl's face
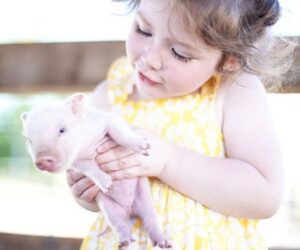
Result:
[167,64]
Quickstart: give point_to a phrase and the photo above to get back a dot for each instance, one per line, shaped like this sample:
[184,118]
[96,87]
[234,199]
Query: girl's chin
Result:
[148,91]
[149,94]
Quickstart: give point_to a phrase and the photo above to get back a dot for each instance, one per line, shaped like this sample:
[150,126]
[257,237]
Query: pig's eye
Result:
[62,130]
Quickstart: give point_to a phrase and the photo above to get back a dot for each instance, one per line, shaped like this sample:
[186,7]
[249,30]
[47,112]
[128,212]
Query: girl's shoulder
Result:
[117,78]
[244,90]
[119,69]
[99,98]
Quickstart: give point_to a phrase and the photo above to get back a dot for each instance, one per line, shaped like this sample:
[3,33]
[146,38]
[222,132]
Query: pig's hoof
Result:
[163,244]
[110,189]
[145,147]
[106,184]
[145,152]
[124,244]
[107,189]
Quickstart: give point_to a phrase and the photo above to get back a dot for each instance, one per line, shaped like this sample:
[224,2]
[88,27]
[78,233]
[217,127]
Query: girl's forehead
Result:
[166,15]
[162,14]
[160,8]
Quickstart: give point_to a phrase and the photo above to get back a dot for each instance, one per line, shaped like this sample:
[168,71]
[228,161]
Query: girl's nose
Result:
[151,58]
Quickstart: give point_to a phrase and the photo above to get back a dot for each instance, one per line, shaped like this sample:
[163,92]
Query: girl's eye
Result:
[143,33]
[180,57]
[62,130]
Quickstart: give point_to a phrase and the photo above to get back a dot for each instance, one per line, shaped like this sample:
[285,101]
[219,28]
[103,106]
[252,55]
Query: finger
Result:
[79,187]
[73,176]
[113,154]
[127,173]
[90,194]
[106,145]
[104,139]
[121,163]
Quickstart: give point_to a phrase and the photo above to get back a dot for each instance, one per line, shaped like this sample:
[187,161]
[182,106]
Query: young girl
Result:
[191,84]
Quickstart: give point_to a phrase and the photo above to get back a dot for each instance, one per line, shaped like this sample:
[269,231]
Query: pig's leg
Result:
[121,132]
[143,207]
[91,170]
[118,217]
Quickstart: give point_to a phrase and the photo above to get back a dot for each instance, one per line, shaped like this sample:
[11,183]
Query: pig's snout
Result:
[46,163]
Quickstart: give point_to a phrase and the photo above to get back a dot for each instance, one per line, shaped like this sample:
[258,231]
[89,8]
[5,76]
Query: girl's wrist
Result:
[169,154]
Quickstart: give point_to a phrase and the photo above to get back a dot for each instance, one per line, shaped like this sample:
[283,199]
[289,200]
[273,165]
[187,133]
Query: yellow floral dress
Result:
[188,121]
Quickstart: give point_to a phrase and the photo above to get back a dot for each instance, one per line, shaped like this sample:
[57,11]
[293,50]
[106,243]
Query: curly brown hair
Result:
[239,28]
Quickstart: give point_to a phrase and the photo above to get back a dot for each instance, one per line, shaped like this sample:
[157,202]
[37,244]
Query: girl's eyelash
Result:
[143,33]
[180,57]
[174,53]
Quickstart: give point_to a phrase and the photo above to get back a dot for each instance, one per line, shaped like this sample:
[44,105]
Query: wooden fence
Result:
[67,66]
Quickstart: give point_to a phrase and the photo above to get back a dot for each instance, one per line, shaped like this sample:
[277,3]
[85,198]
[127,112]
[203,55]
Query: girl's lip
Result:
[146,79]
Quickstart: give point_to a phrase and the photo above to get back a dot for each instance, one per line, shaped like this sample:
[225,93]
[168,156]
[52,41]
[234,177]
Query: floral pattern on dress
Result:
[189,121]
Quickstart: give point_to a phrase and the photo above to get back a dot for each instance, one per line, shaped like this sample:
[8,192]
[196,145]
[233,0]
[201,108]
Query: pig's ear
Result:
[76,103]
[24,116]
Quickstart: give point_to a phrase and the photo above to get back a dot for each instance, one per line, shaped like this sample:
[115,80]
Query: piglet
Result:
[65,135]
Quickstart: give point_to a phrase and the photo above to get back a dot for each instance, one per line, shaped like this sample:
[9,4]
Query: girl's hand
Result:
[121,162]
[83,189]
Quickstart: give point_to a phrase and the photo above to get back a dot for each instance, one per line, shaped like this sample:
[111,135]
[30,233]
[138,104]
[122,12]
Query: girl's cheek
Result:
[174,79]
[134,46]
[130,44]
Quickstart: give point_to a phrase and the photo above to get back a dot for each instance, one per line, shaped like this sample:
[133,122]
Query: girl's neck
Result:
[136,95]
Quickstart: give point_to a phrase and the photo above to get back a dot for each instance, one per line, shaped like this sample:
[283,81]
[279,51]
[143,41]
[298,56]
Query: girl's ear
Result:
[76,103]
[231,64]
[24,116]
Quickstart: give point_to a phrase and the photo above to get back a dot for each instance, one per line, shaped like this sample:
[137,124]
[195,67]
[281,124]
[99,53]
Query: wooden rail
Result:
[77,66]
[56,66]
[28,242]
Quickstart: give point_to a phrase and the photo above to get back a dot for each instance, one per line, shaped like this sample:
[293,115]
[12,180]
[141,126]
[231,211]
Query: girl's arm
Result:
[248,183]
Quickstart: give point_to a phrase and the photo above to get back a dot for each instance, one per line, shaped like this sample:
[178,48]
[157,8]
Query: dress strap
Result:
[210,88]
